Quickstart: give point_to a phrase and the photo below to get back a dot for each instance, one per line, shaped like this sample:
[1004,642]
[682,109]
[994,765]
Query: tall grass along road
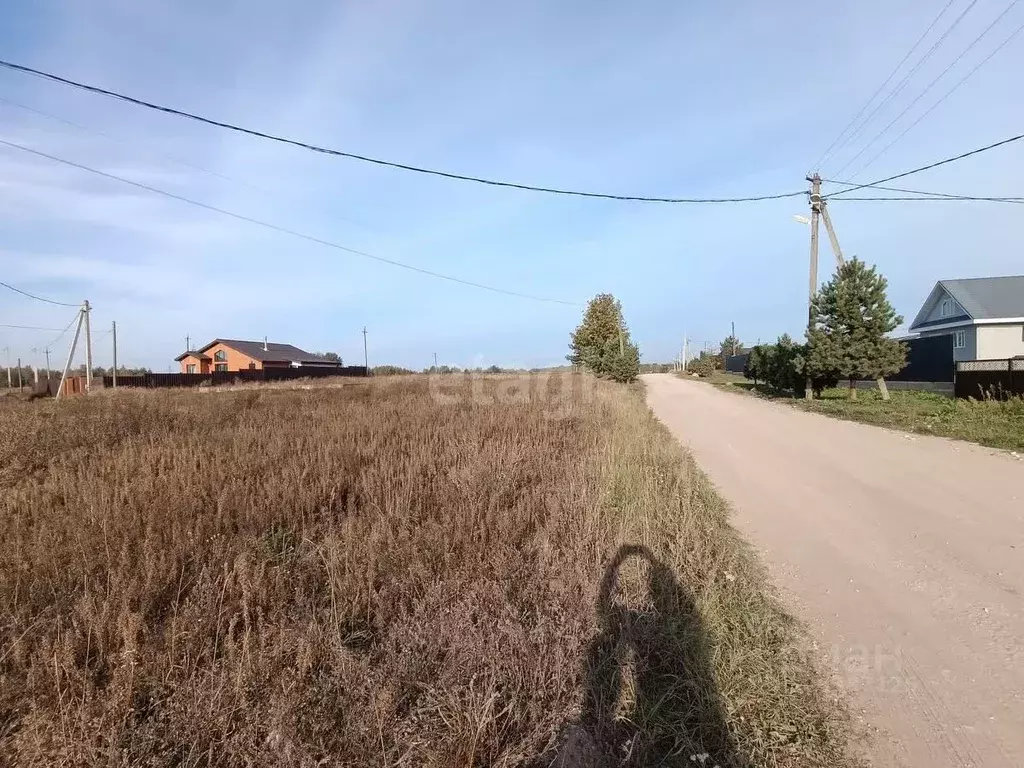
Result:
[444,572]
[905,553]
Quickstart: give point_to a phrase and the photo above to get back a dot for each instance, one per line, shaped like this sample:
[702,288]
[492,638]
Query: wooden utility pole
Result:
[86,309]
[71,354]
[113,332]
[366,355]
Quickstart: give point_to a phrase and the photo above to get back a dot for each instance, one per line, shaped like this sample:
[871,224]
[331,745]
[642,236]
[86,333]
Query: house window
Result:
[960,340]
[191,368]
[946,309]
[220,356]
[222,367]
[252,366]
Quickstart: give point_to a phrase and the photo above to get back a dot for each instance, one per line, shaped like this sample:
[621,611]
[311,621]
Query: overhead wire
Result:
[386,163]
[66,329]
[928,167]
[945,96]
[923,93]
[950,199]
[34,296]
[906,78]
[828,151]
[27,327]
[927,194]
[286,230]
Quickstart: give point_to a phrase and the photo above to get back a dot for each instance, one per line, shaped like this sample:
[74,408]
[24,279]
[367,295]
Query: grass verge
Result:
[508,571]
[995,423]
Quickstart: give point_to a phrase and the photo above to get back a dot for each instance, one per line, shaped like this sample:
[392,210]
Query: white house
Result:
[985,316]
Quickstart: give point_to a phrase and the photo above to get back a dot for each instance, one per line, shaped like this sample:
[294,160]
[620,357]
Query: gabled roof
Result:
[988,298]
[191,353]
[274,353]
[982,298]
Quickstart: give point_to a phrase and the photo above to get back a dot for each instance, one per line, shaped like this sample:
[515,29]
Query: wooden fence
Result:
[997,379]
[152,380]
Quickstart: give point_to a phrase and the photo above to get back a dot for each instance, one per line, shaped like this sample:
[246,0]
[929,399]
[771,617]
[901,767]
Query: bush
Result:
[704,366]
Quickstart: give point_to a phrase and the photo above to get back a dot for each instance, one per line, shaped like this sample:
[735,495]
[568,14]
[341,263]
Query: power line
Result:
[285,230]
[179,161]
[32,295]
[943,195]
[906,78]
[921,95]
[28,327]
[66,329]
[378,161]
[949,199]
[928,167]
[945,96]
[828,152]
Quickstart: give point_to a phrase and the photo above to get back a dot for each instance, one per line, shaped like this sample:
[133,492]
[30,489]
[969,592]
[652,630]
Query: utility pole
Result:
[86,309]
[366,355]
[816,206]
[188,343]
[20,384]
[71,354]
[10,382]
[733,334]
[435,359]
[113,331]
[47,353]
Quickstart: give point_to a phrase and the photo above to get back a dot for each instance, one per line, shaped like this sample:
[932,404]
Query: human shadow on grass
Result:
[658,659]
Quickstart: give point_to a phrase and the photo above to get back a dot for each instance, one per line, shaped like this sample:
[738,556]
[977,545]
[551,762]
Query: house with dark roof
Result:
[984,315]
[237,355]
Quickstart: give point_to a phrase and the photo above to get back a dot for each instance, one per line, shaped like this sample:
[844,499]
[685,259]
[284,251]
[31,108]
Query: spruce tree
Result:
[601,342]
[851,317]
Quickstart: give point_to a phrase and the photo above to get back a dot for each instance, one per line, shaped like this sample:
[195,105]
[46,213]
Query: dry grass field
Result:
[506,572]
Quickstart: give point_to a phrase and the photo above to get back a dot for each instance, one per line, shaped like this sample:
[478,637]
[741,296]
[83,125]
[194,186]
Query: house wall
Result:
[998,342]
[969,352]
[202,366]
[236,360]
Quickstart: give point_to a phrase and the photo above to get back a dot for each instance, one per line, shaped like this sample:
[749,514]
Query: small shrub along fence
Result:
[152,380]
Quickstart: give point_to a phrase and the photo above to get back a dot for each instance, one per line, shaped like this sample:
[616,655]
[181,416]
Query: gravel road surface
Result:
[904,555]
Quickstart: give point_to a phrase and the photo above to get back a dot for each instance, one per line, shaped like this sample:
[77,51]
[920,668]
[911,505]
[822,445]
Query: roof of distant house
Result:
[981,298]
[272,352]
[988,298]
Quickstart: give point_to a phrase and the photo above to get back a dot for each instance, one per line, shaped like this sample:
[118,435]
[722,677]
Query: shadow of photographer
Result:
[650,696]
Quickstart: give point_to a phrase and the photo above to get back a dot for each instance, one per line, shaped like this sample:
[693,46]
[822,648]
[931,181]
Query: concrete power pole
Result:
[816,206]
[86,309]
[10,384]
[71,354]
[366,355]
[113,331]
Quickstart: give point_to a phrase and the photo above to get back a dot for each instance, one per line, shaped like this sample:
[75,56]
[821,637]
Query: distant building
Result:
[983,315]
[224,355]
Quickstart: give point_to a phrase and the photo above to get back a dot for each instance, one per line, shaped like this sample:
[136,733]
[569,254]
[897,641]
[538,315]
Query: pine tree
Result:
[601,342]
[851,317]
[730,346]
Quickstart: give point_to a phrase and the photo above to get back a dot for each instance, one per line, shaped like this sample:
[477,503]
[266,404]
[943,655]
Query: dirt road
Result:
[904,554]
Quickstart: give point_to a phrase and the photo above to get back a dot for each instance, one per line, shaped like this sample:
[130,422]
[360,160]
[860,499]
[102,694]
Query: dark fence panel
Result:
[996,379]
[736,363]
[929,358]
[151,380]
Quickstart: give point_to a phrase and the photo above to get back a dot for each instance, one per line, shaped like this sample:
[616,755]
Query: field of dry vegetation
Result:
[376,575]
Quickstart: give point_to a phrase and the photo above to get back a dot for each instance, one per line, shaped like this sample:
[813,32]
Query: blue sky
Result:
[657,98]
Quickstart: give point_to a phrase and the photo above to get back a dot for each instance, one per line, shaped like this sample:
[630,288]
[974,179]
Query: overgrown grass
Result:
[496,572]
[995,423]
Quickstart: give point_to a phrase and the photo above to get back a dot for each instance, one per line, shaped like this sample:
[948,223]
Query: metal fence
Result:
[995,379]
[151,380]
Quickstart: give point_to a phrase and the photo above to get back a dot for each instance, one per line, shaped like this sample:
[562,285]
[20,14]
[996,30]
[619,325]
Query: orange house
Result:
[224,355]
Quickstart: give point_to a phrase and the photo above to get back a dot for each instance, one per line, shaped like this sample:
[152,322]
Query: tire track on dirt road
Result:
[903,554]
